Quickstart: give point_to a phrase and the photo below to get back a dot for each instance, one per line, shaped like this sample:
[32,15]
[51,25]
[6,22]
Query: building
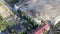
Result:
[20,3]
[42,29]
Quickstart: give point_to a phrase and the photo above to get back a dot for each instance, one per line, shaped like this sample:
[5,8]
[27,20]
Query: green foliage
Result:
[57,25]
[22,13]
[11,23]
[46,32]
[57,33]
[20,33]
[32,23]
[24,32]
[3,24]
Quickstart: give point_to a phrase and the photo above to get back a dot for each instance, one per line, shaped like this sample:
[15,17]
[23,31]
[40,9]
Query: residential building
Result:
[20,3]
[42,29]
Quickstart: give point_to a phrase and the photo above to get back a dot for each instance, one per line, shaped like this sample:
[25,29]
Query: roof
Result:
[41,30]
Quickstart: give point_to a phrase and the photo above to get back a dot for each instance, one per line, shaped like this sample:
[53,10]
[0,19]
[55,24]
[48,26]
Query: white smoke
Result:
[45,9]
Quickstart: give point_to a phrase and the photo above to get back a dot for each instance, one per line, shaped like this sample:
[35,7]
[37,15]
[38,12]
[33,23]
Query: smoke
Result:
[45,9]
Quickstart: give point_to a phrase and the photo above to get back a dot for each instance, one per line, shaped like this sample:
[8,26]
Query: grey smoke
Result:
[47,9]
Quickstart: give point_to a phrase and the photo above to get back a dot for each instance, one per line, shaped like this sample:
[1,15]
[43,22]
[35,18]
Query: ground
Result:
[4,10]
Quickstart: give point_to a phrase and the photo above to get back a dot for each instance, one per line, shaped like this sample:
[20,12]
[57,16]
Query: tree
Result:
[3,24]
[32,23]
